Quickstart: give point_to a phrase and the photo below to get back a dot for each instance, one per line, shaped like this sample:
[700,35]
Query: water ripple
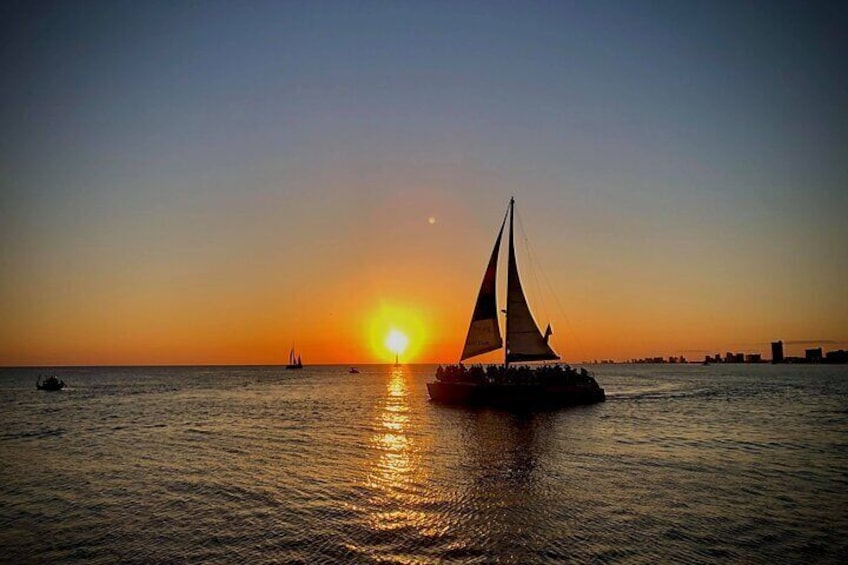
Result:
[253,465]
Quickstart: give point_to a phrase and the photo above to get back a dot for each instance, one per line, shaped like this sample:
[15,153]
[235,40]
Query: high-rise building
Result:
[777,351]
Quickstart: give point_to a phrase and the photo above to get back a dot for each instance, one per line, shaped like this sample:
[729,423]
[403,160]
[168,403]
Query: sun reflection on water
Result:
[395,476]
[394,466]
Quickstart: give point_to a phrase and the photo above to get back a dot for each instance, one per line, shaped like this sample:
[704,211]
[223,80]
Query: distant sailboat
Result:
[294,361]
[552,385]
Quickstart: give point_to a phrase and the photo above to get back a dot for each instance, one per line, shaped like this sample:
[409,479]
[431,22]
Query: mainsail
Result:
[524,341]
[484,334]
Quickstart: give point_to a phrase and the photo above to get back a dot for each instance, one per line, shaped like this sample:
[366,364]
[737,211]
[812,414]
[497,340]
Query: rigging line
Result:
[560,310]
[531,266]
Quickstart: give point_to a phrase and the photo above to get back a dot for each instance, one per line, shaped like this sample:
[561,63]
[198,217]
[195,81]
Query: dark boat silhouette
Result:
[509,385]
[294,360]
[51,383]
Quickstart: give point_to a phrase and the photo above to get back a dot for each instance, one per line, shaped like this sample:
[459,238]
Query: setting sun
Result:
[397,328]
[397,342]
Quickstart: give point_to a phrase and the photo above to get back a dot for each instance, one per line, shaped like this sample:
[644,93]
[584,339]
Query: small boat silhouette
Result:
[50,383]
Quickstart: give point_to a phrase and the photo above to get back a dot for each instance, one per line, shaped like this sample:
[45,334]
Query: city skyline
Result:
[206,184]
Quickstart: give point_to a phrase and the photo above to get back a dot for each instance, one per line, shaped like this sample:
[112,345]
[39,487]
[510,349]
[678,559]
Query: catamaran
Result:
[508,384]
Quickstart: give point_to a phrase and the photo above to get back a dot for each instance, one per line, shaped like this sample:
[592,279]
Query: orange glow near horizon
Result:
[354,330]
[403,274]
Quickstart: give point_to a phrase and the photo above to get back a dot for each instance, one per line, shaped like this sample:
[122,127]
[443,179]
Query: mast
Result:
[509,285]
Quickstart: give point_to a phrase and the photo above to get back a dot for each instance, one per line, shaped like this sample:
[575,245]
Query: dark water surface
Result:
[259,465]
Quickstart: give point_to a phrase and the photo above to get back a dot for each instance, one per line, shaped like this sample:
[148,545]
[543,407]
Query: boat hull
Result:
[513,395]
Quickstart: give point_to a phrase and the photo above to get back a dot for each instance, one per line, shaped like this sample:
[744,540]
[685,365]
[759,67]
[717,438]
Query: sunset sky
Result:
[210,182]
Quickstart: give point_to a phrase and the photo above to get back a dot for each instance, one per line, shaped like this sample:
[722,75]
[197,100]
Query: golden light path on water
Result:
[396,475]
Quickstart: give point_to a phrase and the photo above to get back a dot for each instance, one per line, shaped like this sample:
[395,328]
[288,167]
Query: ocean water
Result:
[737,463]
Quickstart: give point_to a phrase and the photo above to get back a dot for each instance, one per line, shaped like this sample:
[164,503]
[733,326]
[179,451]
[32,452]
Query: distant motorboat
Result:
[294,360]
[51,383]
[353,371]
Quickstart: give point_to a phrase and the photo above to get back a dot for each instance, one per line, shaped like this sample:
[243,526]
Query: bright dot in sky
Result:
[397,342]
[431,220]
